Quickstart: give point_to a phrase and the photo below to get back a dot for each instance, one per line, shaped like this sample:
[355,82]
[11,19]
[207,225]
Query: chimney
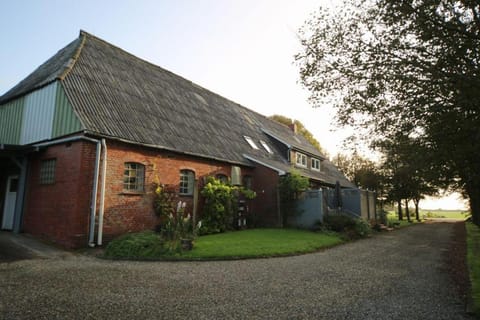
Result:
[293,126]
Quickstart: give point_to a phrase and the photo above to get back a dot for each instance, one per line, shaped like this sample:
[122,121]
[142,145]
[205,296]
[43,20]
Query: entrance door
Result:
[10,200]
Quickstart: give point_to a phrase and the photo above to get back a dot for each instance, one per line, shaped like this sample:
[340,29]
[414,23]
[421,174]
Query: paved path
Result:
[397,275]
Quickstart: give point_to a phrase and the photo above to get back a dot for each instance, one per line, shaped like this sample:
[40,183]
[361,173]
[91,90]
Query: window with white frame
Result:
[251,142]
[47,171]
[315,164]
[301,159]
[187,181]
[266,146]
[133,177]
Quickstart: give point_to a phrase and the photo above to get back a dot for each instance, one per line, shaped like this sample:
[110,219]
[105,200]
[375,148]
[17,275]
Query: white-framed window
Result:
[134,177]
[301,159]
[315,164]
[47,171]
[187,181]
[251,142]
[266,146]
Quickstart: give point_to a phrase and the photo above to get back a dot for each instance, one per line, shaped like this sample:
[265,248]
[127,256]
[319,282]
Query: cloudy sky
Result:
[242,50]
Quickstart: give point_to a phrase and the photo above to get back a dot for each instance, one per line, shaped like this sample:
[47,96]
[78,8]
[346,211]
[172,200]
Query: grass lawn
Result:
[253,243]
[393,219]
[425,214]
[450,214]
[473,261]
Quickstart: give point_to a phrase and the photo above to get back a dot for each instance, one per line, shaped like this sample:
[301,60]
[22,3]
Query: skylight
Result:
[250,142]
[265,146]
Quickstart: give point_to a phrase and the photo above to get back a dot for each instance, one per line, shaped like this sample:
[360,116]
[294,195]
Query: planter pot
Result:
[187,244]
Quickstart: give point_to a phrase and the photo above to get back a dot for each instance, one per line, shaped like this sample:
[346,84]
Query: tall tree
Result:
[301,129]
[363,172]
[404,67]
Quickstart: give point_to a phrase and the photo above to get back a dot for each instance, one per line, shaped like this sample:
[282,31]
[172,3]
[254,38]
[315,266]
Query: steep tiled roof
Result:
[53,69]
[118,95]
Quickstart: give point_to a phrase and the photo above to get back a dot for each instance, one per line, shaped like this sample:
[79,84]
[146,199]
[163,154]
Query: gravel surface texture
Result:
[396,275]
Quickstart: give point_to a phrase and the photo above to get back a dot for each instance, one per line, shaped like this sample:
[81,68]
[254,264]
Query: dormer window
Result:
[315,164]
[266,146]
[301,159]
[250,142]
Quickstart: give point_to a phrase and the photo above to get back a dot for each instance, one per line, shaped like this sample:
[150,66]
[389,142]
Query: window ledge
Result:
[132,193]
[185,195]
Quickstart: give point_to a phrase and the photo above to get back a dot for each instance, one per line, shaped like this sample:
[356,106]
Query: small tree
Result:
[291,185]
[221,200]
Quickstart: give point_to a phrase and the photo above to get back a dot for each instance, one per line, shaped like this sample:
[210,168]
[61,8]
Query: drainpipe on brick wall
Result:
[93,207]
[91,238]
[102,194]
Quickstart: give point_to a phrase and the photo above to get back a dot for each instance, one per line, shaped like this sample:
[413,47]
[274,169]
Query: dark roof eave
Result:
[291,146]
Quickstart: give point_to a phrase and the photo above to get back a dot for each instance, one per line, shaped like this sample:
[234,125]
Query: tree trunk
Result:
[474,200]
[400,213]
[417,214]
[472,188]
[407,212]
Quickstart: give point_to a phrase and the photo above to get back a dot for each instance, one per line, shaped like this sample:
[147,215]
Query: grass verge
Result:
[473,261]
[253,243]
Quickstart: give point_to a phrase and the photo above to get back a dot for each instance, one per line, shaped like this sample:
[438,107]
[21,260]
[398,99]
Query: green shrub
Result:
[352,228]
[143,244]
[338,222]
[221,200]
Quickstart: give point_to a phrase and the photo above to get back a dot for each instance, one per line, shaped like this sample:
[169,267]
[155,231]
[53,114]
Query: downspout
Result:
[102,194]
[91,240]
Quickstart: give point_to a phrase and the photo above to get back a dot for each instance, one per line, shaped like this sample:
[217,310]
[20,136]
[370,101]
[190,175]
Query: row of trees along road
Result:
[407,73]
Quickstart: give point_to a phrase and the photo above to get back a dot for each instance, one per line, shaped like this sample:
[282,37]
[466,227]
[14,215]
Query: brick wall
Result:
[129,212]
[264,209]
[61,211]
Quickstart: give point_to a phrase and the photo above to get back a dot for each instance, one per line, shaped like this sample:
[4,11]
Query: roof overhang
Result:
[280,171]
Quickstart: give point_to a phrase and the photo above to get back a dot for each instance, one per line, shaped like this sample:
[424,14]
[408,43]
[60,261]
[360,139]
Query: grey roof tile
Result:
[118,95]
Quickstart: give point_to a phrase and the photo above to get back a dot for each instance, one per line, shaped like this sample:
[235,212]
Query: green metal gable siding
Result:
[11,119]
[64,121]
[42,114]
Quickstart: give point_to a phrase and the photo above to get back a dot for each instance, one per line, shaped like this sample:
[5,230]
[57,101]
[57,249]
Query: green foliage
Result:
[290,186]
[301,130]
[175,223]
[164,200]
[221,201]
[473,262]
[136,245]
[352,228]
[361,171]
[400,68]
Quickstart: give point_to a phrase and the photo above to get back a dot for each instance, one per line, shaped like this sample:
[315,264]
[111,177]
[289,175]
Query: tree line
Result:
[407,75]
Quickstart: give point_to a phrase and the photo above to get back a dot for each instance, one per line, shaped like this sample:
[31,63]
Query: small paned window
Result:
[223,178]
[134,177]
[315,164]
[187,181]
[247,182]
[265,146]
[47,171]
[301,159]
[250,142]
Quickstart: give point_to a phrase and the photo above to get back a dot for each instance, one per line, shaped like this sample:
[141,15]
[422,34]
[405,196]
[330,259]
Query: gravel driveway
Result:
[397,275]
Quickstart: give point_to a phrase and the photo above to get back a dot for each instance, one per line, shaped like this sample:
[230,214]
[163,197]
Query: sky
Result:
[243,50]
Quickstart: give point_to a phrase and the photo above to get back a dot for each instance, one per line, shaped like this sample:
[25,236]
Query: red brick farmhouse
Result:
[84,137]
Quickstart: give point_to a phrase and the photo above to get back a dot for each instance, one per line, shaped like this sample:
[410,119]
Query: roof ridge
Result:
[74,58]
